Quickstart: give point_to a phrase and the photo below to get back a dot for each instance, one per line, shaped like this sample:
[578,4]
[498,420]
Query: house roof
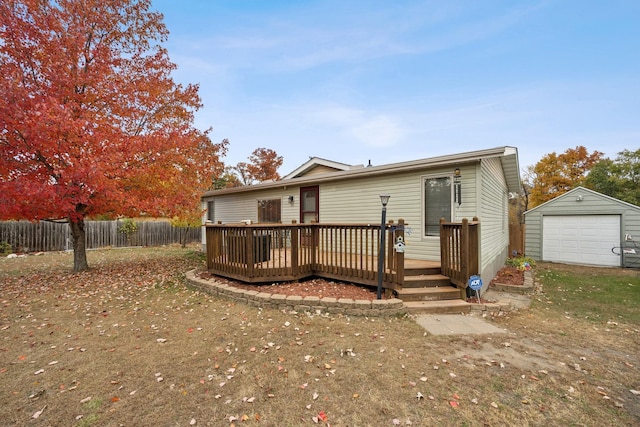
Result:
[508,157]
[579,189]
[315,162]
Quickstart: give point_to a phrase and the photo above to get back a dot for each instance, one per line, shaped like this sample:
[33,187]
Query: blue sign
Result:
[475,283]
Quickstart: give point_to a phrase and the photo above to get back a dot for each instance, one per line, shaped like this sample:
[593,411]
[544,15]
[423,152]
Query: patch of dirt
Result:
[317,287]
[508,275]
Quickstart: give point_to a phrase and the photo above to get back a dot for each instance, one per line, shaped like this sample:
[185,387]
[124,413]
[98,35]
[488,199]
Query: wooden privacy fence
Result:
[459,250]
[516,239]
[43,236]
[279,252]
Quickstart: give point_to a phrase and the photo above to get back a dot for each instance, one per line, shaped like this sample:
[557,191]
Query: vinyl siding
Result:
[234,208]
[358,201]
[494,220]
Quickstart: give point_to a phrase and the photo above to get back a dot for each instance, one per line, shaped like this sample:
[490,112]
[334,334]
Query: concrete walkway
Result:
[456,324]
[459,324]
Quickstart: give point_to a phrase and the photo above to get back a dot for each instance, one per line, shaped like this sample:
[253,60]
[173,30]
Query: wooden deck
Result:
[263,253]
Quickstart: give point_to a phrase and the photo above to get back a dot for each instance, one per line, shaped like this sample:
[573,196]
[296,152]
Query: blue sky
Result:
[391,81]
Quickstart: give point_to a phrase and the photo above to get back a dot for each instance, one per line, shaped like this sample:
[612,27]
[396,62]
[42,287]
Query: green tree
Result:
[619,178]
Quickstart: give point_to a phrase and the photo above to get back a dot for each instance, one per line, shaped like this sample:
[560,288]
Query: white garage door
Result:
[581,239]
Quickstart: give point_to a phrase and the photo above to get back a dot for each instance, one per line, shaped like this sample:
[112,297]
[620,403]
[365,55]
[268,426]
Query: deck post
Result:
[249,242]
[295,259]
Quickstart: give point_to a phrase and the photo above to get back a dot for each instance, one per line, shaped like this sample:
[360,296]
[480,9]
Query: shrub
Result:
[129,227]
[5,248]
[521,263]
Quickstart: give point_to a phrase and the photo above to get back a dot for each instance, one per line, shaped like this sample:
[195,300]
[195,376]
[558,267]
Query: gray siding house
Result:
[457,186]
[583,226]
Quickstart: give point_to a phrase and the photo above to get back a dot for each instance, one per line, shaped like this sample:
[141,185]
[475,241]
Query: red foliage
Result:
[91,120]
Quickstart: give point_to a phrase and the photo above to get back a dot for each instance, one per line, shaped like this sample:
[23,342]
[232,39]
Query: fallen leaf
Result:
[322,416]
[37,414]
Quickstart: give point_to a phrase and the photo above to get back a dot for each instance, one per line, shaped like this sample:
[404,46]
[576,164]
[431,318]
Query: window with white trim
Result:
[437,203]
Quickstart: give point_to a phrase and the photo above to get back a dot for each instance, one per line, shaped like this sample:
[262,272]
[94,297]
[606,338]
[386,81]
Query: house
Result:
[467,185]
[583,226]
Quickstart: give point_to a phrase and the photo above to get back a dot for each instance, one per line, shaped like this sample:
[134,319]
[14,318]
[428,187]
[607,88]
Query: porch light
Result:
[457,186]
[384,199]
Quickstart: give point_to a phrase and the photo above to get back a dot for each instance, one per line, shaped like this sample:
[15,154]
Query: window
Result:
[210,212]
[437,203]
[269,210]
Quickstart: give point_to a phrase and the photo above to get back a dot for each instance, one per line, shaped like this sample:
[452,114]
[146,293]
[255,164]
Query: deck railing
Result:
[459,250]
[349,252]
[283,252]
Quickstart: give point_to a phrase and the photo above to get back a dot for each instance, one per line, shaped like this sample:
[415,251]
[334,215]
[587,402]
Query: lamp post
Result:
[384,198]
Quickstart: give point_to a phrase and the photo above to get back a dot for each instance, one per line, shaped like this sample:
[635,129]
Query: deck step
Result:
[425,280]
[417,271]
[428,294]
[434,307]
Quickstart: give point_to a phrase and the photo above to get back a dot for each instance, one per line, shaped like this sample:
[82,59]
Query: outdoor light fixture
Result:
[457,186]
[290,199]
[579,198]
[384,199]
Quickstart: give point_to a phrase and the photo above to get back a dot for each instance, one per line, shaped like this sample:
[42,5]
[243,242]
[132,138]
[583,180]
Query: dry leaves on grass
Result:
[230,363]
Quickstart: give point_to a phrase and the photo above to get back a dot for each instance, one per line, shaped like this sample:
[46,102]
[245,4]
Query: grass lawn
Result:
[127,343]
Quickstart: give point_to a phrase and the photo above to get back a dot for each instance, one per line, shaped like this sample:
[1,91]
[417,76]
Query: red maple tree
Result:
[91,120]
[263,166]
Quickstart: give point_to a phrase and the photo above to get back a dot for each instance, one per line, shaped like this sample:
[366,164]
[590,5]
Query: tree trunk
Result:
[183,237]
[79,245]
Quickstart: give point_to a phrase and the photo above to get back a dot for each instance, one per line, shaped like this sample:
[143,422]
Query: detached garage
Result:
[583,226]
